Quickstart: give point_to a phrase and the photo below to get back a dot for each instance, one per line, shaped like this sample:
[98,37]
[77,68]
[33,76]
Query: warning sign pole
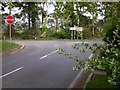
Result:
[10,20]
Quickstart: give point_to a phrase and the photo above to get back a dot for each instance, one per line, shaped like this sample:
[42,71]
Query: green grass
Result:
[99,83]
[50,38]
[6,46]
[53,38]
[96,38]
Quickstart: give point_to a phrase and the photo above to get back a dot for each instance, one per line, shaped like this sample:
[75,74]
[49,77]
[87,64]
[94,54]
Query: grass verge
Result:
[96,38]
[8,47]
[53,38]
[99,82]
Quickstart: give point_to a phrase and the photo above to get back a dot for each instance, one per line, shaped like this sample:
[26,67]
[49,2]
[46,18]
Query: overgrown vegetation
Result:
[101,82]
[106,58]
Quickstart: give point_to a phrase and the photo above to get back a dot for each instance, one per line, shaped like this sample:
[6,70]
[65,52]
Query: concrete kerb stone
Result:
[94,72]
[22,47]
[88,79]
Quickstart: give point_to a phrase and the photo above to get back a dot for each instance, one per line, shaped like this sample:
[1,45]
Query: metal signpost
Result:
[81,30]
[73,29]
[10,21]
[72,32]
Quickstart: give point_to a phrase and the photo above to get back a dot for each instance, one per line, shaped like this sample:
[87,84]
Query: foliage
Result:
[29,10]
[29,34]
[112,28]
[101,83]
[112,38]
[62,34]
[44,27]
[108,60]
[87,33]
[26,36]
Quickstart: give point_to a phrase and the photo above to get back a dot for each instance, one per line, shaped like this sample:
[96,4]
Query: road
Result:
[40,66]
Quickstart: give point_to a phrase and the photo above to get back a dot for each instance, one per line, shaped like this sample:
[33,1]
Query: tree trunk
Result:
[33,23]
[28,20]
[57,23]
[42,18]
[93,29]
[29,16]
[79,21]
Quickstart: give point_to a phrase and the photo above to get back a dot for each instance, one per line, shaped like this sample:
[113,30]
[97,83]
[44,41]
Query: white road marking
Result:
[90,56]
[11,72]
[78,76]
[48,54]
[75,80]
[43,57]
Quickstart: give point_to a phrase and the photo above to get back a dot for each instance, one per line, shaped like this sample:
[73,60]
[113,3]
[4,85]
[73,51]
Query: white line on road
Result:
[90,56]
[48,54]
[11,72]
[78,76]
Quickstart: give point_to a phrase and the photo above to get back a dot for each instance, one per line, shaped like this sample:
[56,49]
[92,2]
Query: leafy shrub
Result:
[118,81]
[26,36]
[62,34]
[112,28]
[109,61]
[50,33]
[87,33]
[29,34]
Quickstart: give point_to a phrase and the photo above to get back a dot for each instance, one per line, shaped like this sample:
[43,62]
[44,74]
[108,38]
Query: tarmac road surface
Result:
[40,66]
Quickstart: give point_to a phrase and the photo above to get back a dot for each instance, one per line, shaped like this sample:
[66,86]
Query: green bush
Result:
[26,36]
[62,34]
[102,82]
[87,33]
[108,61]
[110,36]
[29,34]
[50,33]
[118,81]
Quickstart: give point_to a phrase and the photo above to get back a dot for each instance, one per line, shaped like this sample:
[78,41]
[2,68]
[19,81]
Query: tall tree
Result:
[110,10]
[93,10]
[58,12]
[81,8]
[29,10]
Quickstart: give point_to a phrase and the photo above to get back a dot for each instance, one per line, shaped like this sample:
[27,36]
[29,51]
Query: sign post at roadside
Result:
[81,30]
[76,29]
[10,21]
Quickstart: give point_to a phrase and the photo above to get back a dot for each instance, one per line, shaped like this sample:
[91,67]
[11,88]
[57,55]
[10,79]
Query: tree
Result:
[29,10]
[93,10]
[58,13]
[81,8]
[110,10]
[107,55]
